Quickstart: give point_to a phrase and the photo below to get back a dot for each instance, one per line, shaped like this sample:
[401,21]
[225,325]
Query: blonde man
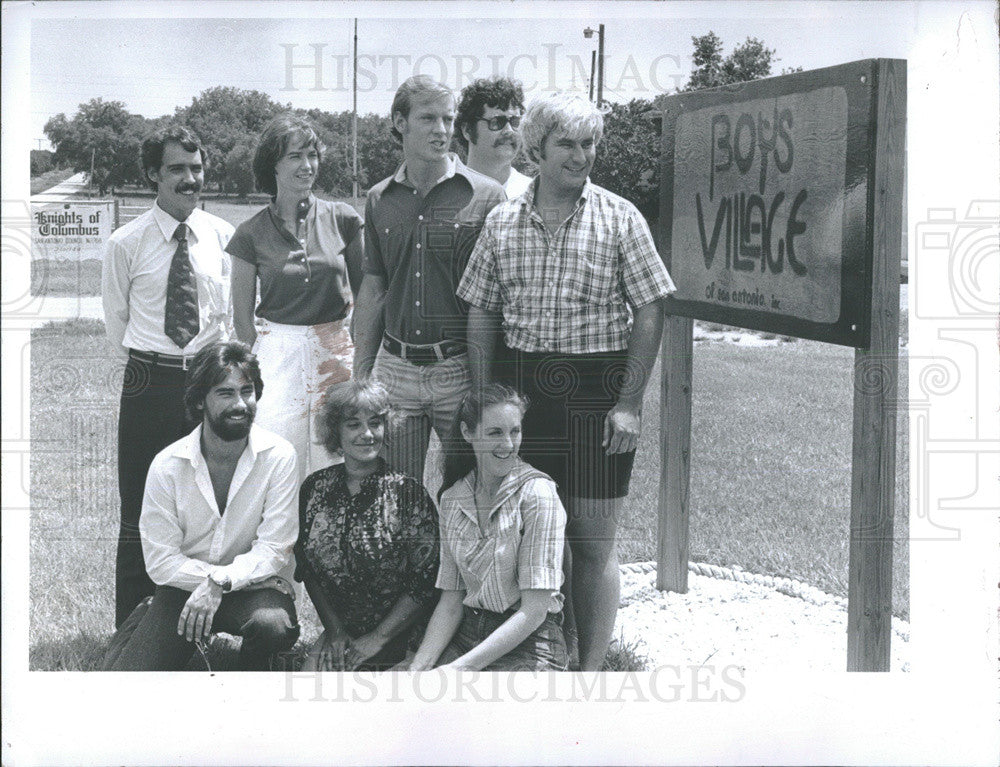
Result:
[572,272]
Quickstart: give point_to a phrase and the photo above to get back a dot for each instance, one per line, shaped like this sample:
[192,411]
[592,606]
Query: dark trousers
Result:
[151,417]
[265,618]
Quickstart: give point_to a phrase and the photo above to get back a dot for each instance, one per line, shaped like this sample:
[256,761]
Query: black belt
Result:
[162,360]
[423,354]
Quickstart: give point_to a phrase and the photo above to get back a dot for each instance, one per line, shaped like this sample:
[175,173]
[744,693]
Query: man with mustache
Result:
[489,114]
[219,520]
[420,226]
[572,271]
[165,284]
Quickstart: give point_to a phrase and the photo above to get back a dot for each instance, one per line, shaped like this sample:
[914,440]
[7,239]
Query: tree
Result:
[224,117]
[749,61]
[239,167]
[103,134]
[379,153]
[628,157]
[707,60]
[41,161]
[334,130]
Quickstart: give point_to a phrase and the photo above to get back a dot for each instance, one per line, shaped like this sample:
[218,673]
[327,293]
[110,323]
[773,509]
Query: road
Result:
[74,186]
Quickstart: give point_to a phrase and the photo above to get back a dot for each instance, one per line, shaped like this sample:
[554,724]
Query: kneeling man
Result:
[219,520]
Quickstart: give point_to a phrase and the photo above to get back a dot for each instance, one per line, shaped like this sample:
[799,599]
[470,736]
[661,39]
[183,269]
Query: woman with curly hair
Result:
[368,540]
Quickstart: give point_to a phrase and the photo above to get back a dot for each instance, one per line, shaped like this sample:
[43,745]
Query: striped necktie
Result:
[180,316]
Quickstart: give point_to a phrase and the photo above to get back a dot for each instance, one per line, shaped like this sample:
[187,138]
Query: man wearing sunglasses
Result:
[489,116]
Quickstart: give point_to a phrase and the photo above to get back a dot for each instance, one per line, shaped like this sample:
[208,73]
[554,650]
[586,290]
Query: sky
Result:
[154,65]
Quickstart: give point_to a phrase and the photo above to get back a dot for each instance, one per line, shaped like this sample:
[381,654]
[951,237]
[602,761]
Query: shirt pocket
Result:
[449,245]
[592,275]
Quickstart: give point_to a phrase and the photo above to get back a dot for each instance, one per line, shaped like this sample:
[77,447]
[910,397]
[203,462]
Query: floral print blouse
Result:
[367,550]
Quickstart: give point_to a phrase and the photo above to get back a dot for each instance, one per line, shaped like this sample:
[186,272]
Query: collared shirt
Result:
[516,184]
[570,291]
[184,537]
[521,546]
[303,275]
[134,281]
[419,247]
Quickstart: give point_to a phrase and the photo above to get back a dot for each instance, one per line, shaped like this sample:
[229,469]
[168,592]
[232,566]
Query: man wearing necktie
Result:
[165,285]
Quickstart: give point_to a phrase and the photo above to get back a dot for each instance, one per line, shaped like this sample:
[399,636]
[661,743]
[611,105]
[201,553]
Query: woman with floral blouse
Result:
[368,540]
[502,533]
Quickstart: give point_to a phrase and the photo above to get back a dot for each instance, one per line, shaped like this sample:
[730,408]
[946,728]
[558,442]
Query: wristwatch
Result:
[221,580]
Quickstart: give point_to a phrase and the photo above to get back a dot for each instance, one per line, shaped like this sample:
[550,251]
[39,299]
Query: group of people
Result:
[313,351]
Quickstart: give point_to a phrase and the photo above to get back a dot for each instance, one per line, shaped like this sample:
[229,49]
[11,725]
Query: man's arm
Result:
[162,536]
[115,284]
[279,525]
[622,426]
[482,333]
[369,323]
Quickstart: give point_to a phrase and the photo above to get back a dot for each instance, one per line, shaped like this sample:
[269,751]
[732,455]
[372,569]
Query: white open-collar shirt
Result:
[184,537]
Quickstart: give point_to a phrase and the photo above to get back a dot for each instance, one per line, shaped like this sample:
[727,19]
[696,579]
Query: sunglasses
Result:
[500,121]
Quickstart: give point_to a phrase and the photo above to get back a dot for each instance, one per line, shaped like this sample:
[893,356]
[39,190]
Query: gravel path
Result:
[752,625]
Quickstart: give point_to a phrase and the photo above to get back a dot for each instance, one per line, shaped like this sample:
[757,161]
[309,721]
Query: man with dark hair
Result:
[420,226]
[219,520]
[165,285]
[489,114]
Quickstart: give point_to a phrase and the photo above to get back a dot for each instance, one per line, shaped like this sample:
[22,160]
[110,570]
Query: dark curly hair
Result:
[211,366]
[497,92]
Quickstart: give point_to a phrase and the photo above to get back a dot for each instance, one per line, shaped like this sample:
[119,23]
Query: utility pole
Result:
[589,33]
[354,119]
[593,66]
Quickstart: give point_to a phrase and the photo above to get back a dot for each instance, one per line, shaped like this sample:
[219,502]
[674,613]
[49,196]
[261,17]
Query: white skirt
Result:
[298,363]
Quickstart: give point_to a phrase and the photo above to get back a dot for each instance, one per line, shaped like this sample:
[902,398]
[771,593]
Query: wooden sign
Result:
[781,209]
[766,196]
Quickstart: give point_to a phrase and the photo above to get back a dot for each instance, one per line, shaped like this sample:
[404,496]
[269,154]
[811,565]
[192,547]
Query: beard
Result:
[227,430]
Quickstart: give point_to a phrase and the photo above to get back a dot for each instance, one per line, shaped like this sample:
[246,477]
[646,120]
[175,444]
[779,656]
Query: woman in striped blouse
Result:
[502,532]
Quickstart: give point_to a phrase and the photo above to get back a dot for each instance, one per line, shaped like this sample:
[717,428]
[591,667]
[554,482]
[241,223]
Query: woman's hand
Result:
[328,653]
[361,649]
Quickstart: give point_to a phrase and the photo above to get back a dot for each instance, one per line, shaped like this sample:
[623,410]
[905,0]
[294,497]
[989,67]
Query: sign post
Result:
[781,211]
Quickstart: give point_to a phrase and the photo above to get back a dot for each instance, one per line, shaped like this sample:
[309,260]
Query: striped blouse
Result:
[521,547]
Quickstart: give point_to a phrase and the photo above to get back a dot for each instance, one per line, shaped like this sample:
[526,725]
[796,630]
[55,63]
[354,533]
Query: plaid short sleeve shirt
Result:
[571,291]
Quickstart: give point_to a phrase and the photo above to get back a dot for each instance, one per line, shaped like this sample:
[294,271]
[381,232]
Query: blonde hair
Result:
[565,113]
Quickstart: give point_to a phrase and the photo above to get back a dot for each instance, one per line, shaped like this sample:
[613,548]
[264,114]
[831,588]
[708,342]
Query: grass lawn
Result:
[770,466]
[65,278]
[770,486]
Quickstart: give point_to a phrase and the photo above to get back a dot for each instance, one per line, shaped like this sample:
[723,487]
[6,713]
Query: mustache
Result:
[512,140]
[186,186]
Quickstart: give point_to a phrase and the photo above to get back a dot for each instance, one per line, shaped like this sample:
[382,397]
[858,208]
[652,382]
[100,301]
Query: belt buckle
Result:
[184,362]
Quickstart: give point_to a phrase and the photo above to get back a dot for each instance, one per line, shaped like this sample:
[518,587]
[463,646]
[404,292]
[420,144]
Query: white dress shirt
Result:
[184,538]
[516,184]
[134,281]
